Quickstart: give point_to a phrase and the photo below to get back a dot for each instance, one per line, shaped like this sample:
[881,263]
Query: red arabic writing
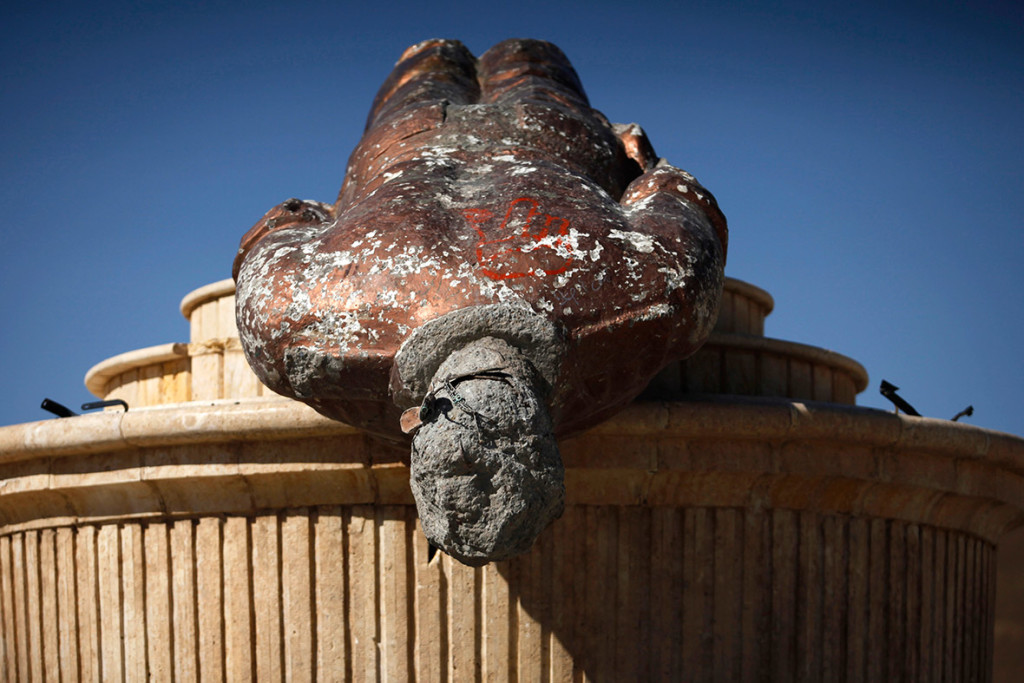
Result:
[527,242]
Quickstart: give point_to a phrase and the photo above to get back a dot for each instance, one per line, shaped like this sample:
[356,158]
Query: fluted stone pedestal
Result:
[705,538]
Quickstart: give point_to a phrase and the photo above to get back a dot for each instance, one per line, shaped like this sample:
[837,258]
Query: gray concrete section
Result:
[486,472]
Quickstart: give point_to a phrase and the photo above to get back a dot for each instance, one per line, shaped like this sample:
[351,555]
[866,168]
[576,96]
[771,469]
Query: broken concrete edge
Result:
[427,347]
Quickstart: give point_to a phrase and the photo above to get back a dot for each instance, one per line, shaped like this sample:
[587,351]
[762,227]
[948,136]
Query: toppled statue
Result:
[502,267]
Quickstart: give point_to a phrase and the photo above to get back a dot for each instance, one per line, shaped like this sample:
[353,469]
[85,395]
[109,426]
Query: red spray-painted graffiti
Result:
[527,242]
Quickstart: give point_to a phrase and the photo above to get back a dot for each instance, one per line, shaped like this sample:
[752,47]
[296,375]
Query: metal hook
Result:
[106,404]
[966,412]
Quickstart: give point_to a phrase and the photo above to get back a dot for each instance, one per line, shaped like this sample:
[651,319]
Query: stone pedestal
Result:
[705,538]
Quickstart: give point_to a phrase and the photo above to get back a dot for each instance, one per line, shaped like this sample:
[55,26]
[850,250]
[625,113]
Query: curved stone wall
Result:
[613,593]
[739,540]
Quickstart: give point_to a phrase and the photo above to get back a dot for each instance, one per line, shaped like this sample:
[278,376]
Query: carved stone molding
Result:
[734,538]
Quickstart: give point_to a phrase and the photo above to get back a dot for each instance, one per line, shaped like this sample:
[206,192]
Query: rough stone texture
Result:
[486,472]
[482,183]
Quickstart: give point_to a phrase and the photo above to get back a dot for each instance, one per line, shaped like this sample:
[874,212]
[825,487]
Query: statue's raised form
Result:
[502,266]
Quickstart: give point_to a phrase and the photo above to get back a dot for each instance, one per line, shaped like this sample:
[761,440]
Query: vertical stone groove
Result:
[618,593]
[196,643]
[410,589]
[48,586]
[35,599]
[20,603]
[313,579]
[442,623]
[478,622]
[278,523]
[145,597]
[346,520]
[93,558]
[222,607]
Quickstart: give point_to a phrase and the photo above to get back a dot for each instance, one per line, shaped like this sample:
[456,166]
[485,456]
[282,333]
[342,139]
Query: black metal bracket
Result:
[889,391]
[966,412]
[106,404]
[57,409]
[61,410]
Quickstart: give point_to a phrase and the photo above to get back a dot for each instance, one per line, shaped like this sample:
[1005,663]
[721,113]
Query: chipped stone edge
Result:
[422,353]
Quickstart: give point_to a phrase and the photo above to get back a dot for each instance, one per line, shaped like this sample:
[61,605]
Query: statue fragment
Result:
[502,266]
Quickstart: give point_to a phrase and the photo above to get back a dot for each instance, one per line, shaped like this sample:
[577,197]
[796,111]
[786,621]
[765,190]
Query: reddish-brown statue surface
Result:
[502,266]
[476,183]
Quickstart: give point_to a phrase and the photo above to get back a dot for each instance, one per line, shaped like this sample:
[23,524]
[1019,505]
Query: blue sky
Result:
[869,157]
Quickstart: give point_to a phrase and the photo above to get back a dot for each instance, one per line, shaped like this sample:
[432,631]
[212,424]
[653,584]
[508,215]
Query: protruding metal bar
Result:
[889,391]
[966,412]
[106,404]
[57,409]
